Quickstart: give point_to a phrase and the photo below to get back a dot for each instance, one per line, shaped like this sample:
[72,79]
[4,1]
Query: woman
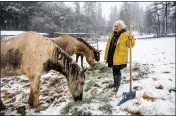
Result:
[116,53]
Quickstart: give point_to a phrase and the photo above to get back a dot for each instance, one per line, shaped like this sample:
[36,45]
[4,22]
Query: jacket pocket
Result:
[123,57]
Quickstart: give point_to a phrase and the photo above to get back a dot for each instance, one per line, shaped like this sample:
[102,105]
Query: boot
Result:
[114,84]
[117,78]
[111,85]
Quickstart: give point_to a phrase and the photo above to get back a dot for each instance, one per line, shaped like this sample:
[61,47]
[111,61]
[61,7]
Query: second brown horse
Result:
[73,46]
[95,51]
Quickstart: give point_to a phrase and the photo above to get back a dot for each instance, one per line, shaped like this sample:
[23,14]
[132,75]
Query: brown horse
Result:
[72,46]
[33,55]
[95,51]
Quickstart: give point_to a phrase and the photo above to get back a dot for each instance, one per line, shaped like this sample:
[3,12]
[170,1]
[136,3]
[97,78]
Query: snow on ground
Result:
[145,36]
[154,78]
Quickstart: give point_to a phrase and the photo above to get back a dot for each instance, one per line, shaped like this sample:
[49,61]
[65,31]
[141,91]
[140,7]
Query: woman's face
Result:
[117,28]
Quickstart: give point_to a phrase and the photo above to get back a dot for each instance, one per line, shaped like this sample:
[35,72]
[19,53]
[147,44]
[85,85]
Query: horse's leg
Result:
[77,57]
[3,107]
[34,91]
[31,97]
[82,56]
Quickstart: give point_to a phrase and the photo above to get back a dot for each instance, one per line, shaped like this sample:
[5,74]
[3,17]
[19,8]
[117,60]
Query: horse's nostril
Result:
[75,99]
[78,98]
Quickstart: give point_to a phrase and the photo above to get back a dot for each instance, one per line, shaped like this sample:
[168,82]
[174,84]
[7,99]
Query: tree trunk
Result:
[149,31]
[166,20]
[140,28]
[158,30]
[158,20]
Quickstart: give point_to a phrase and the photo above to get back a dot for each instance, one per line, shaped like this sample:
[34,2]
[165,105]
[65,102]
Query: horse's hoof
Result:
[40,108]
[3,107]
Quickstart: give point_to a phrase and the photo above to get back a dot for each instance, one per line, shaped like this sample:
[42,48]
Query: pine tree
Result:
[77,8]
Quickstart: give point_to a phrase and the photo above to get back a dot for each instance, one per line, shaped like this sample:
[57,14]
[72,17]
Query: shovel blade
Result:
[122,101]
[126,96]
[129,95]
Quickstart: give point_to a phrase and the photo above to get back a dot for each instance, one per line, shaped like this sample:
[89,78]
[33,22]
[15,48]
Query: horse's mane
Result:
[95,51]
[84,42]
[61,58]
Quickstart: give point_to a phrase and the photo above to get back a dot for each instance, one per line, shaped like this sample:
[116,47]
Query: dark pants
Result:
[117,74]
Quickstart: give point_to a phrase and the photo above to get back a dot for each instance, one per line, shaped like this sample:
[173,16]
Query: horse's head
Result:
[90,58]
[97,54]
[76,84]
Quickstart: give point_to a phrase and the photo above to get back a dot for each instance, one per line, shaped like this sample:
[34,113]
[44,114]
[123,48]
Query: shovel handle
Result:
[130,24]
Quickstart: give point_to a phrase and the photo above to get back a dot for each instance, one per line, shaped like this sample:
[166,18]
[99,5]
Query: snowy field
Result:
[154,79]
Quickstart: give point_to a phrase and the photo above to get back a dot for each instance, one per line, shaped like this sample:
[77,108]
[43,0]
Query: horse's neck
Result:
[63,63]
[81,47]
[60,61]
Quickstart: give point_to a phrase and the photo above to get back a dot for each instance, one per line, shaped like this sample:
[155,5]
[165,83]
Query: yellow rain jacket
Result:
[121,50]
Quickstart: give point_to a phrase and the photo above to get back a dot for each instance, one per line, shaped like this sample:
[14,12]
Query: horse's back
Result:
[27,52]
[67,43]
[37,51]
[17,42]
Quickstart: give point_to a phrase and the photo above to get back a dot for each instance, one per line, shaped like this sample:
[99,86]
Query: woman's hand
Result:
[132,39]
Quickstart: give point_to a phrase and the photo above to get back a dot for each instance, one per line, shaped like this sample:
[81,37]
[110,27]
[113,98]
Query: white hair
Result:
[121,23]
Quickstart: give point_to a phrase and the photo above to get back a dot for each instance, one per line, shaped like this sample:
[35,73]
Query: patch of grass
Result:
[99,77]
[87,100]
[140,71]
[104,99]
[104,70]
[67,108]
[136,68]
[70,106]
[96,85]
[98,68]
[89,85]
[21,110]
[80,112]
[106,108]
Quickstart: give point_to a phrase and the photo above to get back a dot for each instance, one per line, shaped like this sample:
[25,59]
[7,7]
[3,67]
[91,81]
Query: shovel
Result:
[131,94]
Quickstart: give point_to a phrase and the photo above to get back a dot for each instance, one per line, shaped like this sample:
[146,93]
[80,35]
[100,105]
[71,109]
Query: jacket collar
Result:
[124,30]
